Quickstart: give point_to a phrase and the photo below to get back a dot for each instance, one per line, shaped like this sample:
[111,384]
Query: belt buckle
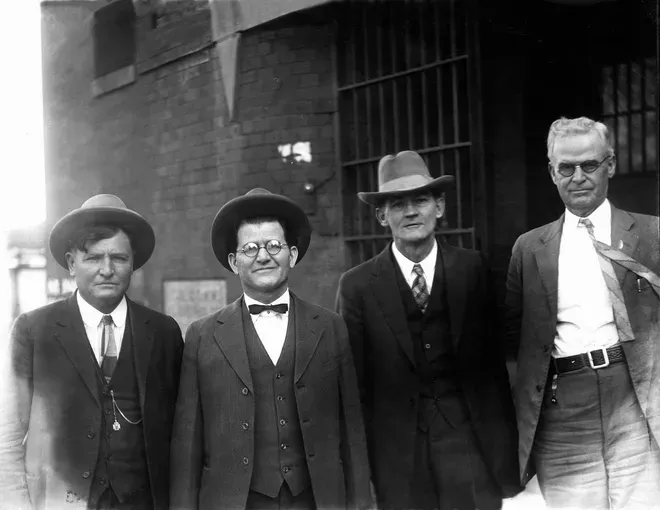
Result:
[605,357]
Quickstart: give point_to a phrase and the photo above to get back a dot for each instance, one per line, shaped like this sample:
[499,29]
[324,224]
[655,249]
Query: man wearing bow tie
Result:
[268,414]
[583,304]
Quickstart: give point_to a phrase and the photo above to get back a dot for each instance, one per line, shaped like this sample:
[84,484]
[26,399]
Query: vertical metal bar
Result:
[436,11]
[642,104]
[408,82]
[395,91]
[452,27]
[367,75]
[631,168]
[336,121]
[615,102]
[441,130]
[459,196]
[381,92]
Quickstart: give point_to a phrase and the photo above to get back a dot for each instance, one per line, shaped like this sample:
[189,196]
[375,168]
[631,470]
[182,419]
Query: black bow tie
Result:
[257,309]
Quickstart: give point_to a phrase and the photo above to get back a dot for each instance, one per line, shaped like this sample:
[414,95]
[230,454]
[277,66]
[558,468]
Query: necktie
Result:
[419,288]
[257,309]
[110,353]
[616,294]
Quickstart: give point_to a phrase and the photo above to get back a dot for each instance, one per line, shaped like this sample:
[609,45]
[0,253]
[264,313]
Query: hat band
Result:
[406,183]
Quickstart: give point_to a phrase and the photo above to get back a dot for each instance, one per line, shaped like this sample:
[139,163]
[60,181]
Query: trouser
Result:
[285,500]
[108,500]
[593,448]
[450,472]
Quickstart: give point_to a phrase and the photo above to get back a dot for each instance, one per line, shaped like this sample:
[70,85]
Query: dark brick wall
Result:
[167,146]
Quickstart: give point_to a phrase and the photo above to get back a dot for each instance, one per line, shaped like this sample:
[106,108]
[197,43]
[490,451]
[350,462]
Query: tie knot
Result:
[587,223]
[417,269]
[106,320]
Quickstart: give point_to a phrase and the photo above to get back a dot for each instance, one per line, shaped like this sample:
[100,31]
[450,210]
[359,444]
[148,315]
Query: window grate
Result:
[404,83]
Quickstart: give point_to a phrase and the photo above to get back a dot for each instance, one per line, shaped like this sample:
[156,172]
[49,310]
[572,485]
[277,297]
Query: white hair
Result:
[564,127]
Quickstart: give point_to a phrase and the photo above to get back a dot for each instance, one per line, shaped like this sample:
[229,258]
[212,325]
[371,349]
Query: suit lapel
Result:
[623,239]
[639,352]
[143,339]
[386,291]
[230,337]
[547,260]
[71,335]
[451,268]
[307,334]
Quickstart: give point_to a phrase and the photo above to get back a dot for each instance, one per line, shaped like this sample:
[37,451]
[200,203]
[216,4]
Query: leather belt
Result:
[599,358]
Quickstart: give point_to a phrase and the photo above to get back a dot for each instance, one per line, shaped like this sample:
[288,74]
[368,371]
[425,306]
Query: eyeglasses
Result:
[273,247]
[588,167]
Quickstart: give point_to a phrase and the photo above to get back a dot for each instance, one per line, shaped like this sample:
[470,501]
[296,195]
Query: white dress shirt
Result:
[271,326]
[94,328]
[585,320]
[428,265]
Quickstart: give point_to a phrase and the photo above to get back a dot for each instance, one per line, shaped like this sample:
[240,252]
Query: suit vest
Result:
[435,360]
[279,452]
[122,461]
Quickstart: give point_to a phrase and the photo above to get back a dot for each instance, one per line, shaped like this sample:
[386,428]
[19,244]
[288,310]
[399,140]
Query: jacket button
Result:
[412,401]
[286,469]
[282,422]
[245,391]
[280,398]
[107,412]
[278,376]
[284,446]
[86,474]
[539,387]
[428,346]
[90,434]
[546,348]
[246,461]
[245,426]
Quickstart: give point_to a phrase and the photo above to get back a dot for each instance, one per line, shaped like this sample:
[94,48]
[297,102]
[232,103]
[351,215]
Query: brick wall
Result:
[166,145]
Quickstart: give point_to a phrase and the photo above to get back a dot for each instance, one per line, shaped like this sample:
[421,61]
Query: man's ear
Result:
[293,256]
[440,207]
[232,262]
[380,216]
[612,169]
[70,260]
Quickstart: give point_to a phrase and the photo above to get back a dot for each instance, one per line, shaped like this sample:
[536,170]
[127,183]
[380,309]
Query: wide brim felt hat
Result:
[258,203]
[403,174]
[103,210]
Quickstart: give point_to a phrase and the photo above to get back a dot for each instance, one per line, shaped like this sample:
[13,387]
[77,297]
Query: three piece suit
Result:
[246,426]
[57,443]
[439,371]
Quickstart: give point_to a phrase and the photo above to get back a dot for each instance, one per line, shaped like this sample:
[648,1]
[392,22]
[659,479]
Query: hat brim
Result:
[141,234]
[376,198]
[229,217]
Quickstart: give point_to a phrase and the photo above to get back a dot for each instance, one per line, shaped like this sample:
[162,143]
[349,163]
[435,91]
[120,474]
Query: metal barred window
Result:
[629,109]
[404,82]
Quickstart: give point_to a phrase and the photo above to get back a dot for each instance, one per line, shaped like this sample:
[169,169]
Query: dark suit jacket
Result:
[213,441]
[50,393]
[370,302]
[531,318]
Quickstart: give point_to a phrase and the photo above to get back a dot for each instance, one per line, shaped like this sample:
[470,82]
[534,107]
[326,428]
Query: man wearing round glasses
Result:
[583,304]
[269,414]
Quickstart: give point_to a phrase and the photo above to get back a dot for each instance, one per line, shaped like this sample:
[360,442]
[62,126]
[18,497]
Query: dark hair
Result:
[81,238]
[290,239]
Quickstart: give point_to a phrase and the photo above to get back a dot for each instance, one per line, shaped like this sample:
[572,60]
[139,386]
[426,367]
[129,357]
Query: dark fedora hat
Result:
[103,210]
[258,203]
[402,174]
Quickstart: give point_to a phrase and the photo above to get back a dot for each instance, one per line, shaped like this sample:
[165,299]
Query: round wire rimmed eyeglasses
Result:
[272,247]
[588,167]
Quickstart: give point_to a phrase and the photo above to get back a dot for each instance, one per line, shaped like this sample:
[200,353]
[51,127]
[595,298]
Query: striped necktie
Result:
[616,294]
[419,288]
[110,353]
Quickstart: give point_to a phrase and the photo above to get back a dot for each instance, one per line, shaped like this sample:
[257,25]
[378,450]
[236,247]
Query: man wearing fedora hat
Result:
[88,401]
[268,414]
[434,388]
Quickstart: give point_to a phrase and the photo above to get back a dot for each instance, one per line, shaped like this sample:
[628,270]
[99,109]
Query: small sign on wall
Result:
[189,300]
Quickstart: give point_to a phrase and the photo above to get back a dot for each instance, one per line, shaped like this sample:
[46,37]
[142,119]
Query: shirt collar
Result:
[406,265]
[284,298]
[92,317]
[601,217]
